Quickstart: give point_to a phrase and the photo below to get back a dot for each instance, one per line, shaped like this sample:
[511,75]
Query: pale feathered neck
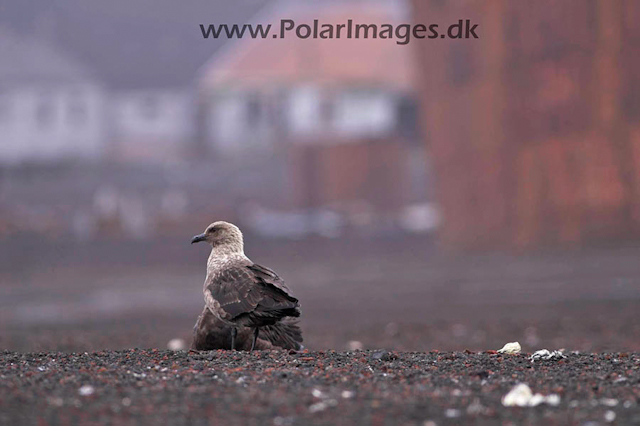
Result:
[228,249]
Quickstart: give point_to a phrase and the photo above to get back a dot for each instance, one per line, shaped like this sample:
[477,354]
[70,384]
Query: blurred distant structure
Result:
[289,137]
[52,107]
[145,54]
[534,128]
[152,125]
[340,111]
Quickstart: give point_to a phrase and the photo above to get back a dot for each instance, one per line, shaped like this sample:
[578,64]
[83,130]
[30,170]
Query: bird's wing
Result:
[235,290]
[241,290]
[269,276]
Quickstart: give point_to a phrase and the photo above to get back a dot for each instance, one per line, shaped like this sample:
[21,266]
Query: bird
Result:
[210,333]
[239,292]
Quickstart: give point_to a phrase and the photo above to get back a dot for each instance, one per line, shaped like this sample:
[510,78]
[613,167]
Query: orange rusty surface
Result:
[539,143]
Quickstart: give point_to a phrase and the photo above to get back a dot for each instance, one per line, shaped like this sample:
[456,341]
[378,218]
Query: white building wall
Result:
[364,113]
[311,115]
[37,123]
[153,114]
[239,120]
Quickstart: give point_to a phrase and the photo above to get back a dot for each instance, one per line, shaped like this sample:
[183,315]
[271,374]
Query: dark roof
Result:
[131,43]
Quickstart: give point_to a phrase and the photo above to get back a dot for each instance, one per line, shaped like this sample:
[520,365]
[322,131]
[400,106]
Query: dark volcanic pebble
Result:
[281,388]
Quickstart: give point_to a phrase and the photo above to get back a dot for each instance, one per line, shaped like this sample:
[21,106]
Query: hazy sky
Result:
[129,43]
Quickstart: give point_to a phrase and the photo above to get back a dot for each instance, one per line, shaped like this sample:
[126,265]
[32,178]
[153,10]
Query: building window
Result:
[365,113]
[254,110]
[407,124]
[327,110]
[6,108]
[45,111]
[227,123]
[77,109]
[149,108]
[304,110]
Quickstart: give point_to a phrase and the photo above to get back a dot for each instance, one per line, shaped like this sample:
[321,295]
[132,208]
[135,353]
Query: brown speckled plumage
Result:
[238,292]
[209,333]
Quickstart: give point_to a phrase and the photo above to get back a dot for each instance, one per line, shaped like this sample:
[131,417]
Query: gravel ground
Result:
[288,388]
[108,297]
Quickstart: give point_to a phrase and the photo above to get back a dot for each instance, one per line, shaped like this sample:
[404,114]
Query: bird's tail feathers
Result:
[285,334]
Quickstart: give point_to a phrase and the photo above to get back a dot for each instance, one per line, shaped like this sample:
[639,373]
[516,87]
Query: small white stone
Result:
[176,345]
[510,348]
[535,400]
[544,354]
[126,401]
[521,396]
[452,413]
[553,399]
[354,345]
[609,416]
[347,394]
[609,402]
[318,406]
[86,390]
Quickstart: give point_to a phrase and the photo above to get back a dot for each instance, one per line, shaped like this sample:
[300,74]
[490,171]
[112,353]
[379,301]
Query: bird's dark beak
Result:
[198,238]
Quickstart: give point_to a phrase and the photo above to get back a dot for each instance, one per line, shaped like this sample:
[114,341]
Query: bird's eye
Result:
[211,230]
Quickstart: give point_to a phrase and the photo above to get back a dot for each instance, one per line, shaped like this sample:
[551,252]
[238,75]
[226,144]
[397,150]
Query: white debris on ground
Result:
[521,396]
[609,402]
[609,416]
[354,345]
[347,394]
[510,348]
[322,405]
[452,413]
[546,355]
[86,390]
[176,345]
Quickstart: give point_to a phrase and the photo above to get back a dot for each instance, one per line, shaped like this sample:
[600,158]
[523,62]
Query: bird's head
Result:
[222,234]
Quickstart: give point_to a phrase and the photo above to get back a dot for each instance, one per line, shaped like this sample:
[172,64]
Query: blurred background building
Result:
[152,125]
[339,116]
[533,128]
[299,137]
[52,107]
